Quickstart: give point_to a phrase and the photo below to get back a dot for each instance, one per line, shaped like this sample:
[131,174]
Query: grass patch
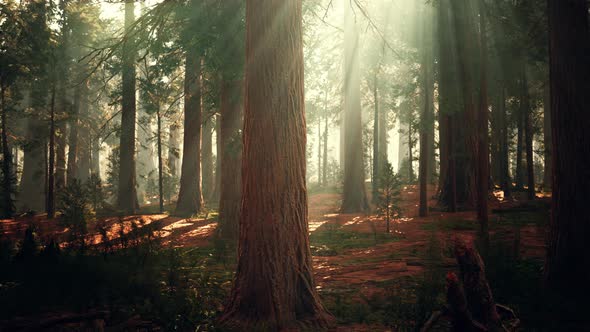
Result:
[451,224]
[338,240]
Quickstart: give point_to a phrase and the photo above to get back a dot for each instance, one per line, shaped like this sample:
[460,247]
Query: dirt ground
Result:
[360,268]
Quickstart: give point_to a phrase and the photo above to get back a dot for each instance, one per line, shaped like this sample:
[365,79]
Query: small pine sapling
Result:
[389,194]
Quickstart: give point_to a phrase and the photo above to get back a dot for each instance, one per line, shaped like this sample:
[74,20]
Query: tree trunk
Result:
[466,51]
[519,150]
[427,116]
[483,153]
[50,203]
[160,161]
[354,193]
[83,140]
[528,128]
[95,165]
[456,190]
[190,198]
[568,259]
[376,162]
[325,165]
[547,169]
[32,191]
[60,154]
[231,159]
[273,288]
[172,150]
[127,195]
[6,202]
[207,159]
[319,151]
[74,125]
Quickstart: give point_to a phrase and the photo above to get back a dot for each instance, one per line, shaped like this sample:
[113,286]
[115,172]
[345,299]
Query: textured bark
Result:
[190,197]
[60,154]
[231,159]
[547,169]
[456,191]
[273,288]
[466,51]
[568,259]
[127,194]
[208,179]
[354,193]
[478,293]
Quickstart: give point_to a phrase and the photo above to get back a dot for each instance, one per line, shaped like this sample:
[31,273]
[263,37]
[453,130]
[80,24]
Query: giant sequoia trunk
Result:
[231,159]
[190,198]
[568,258]
[127,194]
[354,193]
[466,51]
[273,288]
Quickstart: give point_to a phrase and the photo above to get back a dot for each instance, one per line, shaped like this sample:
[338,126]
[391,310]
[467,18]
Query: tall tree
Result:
[127,194]
[427,116]
[483,153]
[190,197]
[273,287]
[230,159]
[354,193]
[568,259]
[207,158]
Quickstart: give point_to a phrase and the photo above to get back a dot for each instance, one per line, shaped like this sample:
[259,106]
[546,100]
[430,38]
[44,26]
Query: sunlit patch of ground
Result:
[351,251]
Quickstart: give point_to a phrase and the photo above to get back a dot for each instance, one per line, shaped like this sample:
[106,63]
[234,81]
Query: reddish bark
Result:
[274,287]
[127,193]
[231,159]
[568,259]
[190,199]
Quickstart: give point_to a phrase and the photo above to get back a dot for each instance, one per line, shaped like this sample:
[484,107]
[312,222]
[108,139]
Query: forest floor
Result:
[370,280]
